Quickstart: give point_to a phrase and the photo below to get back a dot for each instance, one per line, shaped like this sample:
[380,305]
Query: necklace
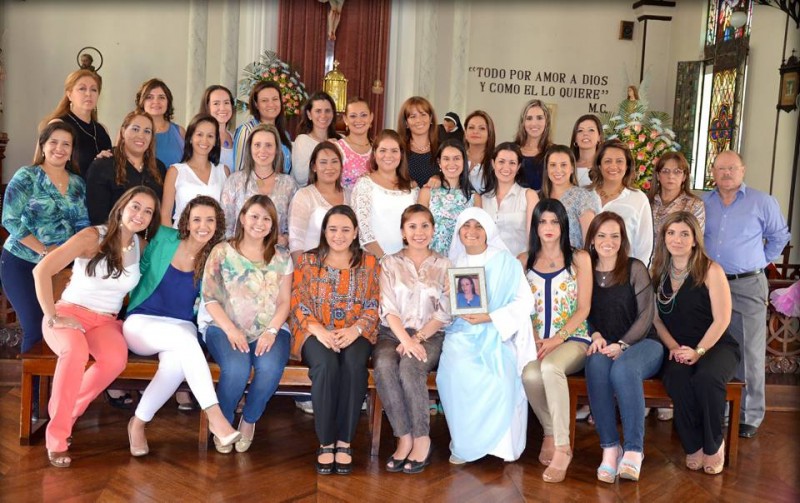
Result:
[552,264]
[126,249]
[262,178]
[420,149]
[87,133]
[607,196]
[367,144]
[603,276]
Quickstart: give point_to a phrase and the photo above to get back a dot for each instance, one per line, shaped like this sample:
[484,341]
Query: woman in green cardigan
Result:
[161,317]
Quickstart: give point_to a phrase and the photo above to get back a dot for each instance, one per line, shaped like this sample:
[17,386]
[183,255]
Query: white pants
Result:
[180,358]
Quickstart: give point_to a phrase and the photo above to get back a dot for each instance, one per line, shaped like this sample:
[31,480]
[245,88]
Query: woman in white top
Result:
[613,176]
[310,204]
[479,138]
[380,197]
[506,202]
[587,136]
[218,103]
[356,147]
[317,124]
[84,322]
[262,173]
[199,173]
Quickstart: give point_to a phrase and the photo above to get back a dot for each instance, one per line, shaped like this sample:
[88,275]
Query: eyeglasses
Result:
[668,172]
[727,168]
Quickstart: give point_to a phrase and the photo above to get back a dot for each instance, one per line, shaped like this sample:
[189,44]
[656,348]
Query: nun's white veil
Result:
[457,248]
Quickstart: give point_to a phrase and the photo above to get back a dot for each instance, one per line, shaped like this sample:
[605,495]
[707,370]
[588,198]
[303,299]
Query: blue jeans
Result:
[607,378]
[235,371]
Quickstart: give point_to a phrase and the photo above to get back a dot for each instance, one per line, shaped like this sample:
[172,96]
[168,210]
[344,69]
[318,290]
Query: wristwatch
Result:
[623,345]
[360,332]
[562,334]
[51,321]
[700,351]
[272,330]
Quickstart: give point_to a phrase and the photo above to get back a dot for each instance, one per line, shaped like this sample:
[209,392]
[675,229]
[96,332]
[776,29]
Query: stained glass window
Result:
[718,24]
[711,23]
[722,123]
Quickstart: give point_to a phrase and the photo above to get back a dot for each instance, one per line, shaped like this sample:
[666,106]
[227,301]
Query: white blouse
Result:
[306,212]
[511,218]
[634,208]
[301,157]
[188,186]
[378,211]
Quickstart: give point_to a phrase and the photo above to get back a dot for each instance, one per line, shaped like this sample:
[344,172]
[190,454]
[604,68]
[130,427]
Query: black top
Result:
[421,167]
[102,190]
[689,315]
[532,171]
[624,312]
[91,140]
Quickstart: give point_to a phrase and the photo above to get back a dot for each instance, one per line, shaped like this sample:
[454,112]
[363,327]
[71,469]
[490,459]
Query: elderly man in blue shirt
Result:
[745,231]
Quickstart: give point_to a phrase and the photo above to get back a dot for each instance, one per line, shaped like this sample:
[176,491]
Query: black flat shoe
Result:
[124,402]
[324,468]
[344,468]
[417,466]
[394,465]
[747,431]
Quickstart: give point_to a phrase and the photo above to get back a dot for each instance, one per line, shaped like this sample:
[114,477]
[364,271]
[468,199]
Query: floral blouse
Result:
[355,165]
[238,189]
[684,202]
[334,298]
[246,290]
[34,206]
[555,300]
[446,205]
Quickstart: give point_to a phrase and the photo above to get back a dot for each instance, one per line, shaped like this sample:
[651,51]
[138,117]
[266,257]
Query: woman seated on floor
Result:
[335,297]
[414,309]
[161,318]
[246,289]
[484,354]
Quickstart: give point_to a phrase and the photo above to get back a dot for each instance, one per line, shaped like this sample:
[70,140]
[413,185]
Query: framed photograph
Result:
[468,290]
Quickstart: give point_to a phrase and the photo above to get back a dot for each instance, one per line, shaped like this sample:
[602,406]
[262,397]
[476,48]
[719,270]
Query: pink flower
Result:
[642,168]
[627,131]
[650,147]
[631,145]
[642,137]
[640,156]
[637,128]
[653,135]
[646,185]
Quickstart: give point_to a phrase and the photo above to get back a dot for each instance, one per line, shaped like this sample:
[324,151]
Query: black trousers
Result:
[338,387]
[698,393]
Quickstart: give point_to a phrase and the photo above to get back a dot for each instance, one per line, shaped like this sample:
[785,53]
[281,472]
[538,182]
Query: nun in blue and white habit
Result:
[479,375]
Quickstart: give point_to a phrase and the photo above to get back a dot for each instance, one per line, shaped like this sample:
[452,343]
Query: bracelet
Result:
[51,321]
[623,345]
[360,332]
[562,334]
[700,351]
[43,252]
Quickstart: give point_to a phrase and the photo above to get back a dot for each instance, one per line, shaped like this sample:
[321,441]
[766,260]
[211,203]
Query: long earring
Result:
[146,233]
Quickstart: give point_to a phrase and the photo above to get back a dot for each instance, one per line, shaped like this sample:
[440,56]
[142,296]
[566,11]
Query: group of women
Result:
[334,250]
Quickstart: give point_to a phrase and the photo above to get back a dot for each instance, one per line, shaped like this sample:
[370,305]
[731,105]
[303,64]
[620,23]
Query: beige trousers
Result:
[546,386]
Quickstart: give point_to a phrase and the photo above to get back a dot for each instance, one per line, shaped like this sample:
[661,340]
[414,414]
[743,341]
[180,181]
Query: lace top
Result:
[379,211]
[578,201]
[306,212]
[238,189]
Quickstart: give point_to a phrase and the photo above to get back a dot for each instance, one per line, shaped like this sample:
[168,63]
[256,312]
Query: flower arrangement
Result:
[271,68]
[646,133]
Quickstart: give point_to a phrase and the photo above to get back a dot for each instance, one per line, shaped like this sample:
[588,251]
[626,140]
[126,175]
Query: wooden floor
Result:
[279,466]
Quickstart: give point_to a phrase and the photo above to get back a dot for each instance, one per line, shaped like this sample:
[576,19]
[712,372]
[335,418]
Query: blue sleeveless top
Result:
[173,298]
[169,145]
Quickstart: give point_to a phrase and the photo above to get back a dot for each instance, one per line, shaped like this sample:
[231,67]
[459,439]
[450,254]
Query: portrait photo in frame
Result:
[467,290]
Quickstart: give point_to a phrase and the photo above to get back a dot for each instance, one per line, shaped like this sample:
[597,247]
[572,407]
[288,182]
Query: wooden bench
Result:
[40,362]
[654,390]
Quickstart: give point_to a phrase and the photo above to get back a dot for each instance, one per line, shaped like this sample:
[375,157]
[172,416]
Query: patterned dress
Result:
[446,205]
[555,300]
[355,165]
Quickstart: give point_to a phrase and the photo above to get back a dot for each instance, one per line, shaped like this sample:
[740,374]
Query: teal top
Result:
[34,206]
[155,262]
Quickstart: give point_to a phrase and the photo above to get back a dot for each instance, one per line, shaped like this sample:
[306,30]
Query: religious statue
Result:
[86,62]
[334,16]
